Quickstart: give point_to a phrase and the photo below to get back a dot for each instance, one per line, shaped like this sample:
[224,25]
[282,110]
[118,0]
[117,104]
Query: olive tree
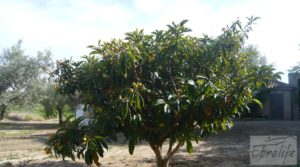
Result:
[20,75]
[166,86]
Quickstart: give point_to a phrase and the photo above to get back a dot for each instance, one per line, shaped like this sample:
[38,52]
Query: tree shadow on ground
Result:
[45,164]
[216,156]
[27,126]
[231,148]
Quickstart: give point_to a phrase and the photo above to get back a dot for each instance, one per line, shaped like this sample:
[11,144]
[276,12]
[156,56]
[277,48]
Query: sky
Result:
[66,27]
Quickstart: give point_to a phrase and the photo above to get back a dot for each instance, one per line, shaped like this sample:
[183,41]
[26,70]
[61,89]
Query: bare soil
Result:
[22,144]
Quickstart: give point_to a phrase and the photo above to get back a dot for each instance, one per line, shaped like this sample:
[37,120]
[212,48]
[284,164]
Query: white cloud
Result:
[277,33]
[67,36]
[150,7]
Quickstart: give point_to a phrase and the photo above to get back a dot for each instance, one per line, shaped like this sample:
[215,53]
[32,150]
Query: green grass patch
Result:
[26,113]
[36,113]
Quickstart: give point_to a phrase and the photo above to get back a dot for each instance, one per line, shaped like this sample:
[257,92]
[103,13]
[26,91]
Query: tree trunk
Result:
[2,111]
[60,115]
[161,162]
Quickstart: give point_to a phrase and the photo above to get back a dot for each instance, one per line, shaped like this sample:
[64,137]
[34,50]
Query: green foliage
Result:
[55,104]
[20,76]
[23,112]
[68,111]
[163,86]
[254,56]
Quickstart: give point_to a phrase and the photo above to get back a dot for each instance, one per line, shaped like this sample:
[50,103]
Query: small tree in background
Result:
[259,62]
[295,68]
[20,76]
[160,87]
[254,56]
[54,103]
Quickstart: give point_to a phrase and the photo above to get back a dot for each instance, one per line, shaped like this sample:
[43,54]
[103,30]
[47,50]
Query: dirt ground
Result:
[22,144]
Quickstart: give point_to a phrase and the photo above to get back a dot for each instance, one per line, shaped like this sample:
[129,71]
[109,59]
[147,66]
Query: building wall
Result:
[266,107]
[287,109]
[291,96]
[293,82]
[287,105]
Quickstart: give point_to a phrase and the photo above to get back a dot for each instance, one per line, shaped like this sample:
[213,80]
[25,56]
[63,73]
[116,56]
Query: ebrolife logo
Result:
[273,150]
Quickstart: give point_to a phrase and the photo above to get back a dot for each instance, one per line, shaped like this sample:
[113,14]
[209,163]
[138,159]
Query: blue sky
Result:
[66,27]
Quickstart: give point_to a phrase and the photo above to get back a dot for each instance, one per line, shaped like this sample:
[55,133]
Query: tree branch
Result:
[171,153]
[157,151]
[173,82]
[171,142]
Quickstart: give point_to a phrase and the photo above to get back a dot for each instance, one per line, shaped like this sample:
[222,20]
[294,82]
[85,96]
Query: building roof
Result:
[278,85]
